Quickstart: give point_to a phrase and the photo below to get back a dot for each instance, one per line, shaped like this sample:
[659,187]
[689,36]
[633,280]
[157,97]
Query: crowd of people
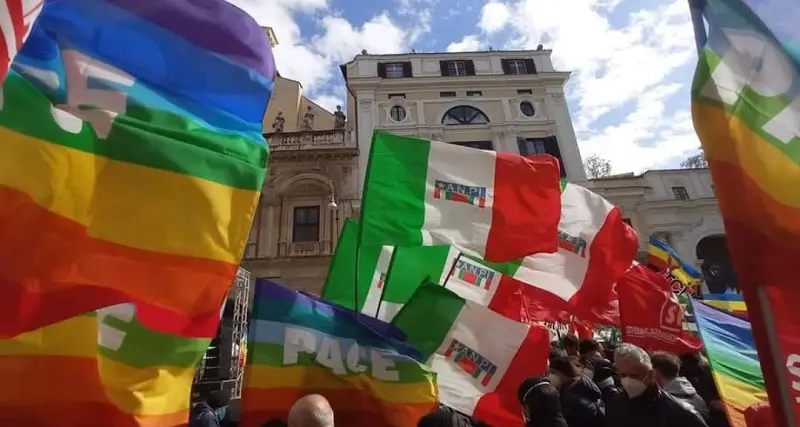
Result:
[586,386]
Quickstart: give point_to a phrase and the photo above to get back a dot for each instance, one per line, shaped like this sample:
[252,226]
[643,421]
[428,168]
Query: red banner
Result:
[650,315]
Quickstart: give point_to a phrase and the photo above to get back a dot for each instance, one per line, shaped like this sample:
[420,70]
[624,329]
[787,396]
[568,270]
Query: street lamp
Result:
[335,211]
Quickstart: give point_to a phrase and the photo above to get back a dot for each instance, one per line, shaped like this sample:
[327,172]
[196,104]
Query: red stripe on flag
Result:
[526,207]
[501,407]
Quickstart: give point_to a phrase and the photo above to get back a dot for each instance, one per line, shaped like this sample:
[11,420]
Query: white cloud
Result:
[467,44]
[313,59]
[329,102]
[494,17]
[611,66]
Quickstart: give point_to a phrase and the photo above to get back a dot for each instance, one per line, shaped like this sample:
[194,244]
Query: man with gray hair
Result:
[313,410]
[644,403]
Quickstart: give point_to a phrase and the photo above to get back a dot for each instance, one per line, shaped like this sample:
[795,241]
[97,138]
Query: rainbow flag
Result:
[133,160]
[733,303]
[661,256]
[299,346]
[734,360]
[103,369]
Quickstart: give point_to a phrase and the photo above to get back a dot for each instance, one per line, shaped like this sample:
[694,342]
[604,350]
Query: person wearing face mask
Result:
[644,403]
[581,400]
[211,412]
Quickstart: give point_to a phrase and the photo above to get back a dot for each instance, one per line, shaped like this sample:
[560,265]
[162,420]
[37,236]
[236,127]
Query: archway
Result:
[716,264]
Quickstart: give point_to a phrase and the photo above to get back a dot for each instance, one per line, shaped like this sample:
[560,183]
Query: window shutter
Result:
[407,72]
[504,64]
[530,67]
[523,146]
[551,146]
[443,66]
[381,70]
[470,67]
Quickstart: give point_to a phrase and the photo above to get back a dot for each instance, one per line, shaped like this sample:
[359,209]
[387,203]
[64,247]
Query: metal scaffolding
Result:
[222,366]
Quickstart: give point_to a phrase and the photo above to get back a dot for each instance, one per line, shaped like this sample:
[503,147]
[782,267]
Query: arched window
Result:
[464,115]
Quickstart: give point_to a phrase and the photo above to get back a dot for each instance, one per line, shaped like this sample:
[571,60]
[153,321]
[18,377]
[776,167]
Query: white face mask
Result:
[633,386]
[555,380]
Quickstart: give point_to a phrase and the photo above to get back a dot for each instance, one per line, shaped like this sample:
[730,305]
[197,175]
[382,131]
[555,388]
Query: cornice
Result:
[674,203]
[485,81]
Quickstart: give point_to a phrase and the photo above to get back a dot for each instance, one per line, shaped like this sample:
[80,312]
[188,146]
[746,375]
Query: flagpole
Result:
[700,34]
[452,269]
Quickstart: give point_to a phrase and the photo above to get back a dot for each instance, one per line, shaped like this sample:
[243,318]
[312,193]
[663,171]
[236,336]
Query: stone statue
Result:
[339,118]
[308,120]
[277,124]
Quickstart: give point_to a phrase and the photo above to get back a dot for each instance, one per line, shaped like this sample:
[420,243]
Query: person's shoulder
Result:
[680,411]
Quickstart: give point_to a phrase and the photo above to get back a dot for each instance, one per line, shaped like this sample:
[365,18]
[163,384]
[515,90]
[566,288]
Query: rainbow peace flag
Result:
[103,369]
[133,160]
[300,346]
[661,256]
[734,361]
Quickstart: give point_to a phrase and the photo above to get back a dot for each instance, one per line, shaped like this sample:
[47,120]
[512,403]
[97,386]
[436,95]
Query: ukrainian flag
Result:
[663,257]
[732,303]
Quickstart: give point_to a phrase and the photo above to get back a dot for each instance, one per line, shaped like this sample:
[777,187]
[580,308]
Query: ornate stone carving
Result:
[339,118]
[277,124]
[308,120]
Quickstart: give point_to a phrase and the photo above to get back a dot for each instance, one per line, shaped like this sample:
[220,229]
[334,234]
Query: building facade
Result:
[507,101]
[680,207]
[309,190]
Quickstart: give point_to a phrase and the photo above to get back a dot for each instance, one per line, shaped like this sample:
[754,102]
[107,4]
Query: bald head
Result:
[311,411]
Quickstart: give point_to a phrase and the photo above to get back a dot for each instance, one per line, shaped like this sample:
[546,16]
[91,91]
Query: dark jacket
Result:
[681,389]
[582,403]
[609,390]
[203,416]
[654,408]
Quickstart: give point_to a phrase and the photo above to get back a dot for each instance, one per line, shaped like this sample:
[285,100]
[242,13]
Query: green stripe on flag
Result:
[397,171]
[340,285]
[428,317]
[144,137]
[143,347]
[412,267]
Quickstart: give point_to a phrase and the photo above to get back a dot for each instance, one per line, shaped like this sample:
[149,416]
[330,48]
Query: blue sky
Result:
[632,60]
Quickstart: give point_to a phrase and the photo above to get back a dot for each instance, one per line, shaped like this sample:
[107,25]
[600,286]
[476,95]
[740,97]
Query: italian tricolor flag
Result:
[596,248]
[389,276]
[480,357]
[497,206]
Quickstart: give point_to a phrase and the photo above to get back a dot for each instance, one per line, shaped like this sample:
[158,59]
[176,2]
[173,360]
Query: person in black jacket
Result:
[666,367]
[606,379]
[695,368]
[443,419]
[541,404]
[581,400]
[644,403]
[210,412]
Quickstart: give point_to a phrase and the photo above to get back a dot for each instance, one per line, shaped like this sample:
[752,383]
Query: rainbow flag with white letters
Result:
[300,345]
[102,369]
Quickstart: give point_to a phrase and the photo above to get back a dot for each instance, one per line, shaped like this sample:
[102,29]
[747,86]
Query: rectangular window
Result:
[474,93]
[524,92]
[394,70]
[531,146]
[457,68]
[518,66]
[397,95]
[305,227]
[680,193]
[447,94]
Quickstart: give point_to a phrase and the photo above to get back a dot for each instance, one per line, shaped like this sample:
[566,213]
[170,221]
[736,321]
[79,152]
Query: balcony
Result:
[334,143]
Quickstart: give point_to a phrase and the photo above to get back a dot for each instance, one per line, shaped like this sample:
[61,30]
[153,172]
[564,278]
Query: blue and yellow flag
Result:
[661,256]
